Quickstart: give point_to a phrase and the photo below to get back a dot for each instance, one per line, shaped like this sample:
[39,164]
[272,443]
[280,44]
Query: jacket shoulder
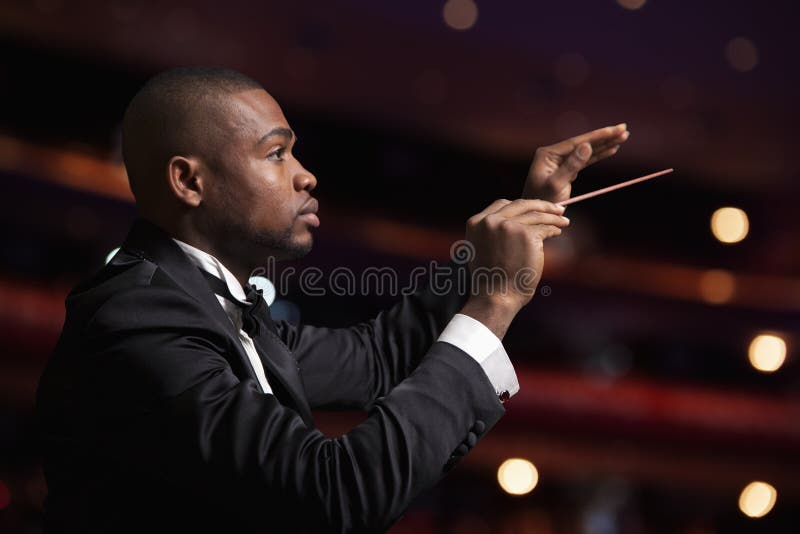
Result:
[128,293]
[133,328]
[124,273]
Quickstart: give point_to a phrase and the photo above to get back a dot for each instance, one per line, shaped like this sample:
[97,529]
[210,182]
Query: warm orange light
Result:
[717,286]
[460,14]
[757,499]
[742,54]
[767,352]
[517,476]
[631,4]
[730,225]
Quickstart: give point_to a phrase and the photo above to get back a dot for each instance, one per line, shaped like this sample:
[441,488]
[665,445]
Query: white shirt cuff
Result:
[474,338]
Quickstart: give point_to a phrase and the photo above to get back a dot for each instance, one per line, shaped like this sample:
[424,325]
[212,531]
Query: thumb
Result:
[578,158]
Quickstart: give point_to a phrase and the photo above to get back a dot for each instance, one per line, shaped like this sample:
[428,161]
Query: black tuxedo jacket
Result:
[153,420]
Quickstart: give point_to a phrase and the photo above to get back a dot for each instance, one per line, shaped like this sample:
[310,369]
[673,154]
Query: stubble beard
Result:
[281,246]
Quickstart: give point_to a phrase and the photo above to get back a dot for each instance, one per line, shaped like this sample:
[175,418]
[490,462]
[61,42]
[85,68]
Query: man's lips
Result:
[309,207]
[309,212]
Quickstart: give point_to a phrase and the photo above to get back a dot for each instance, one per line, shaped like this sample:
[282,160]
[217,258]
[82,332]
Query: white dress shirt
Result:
[212,265]
[464,332]
[474,338]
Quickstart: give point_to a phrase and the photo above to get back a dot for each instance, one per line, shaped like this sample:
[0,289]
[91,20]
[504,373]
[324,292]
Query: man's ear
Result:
[184,180]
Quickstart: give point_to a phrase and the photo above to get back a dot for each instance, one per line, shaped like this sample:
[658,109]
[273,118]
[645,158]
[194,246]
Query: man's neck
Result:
[199,241]
[242,273]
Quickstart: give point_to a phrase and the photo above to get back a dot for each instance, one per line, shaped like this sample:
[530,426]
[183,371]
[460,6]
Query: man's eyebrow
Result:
[279,130]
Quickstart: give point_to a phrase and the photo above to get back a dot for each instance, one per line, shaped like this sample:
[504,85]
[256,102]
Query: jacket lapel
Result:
[150,242]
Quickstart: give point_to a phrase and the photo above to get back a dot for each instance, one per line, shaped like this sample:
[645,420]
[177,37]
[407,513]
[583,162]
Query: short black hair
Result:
[175,113]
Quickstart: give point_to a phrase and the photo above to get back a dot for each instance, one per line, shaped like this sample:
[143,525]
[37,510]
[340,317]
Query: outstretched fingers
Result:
[595,138]
[604,150]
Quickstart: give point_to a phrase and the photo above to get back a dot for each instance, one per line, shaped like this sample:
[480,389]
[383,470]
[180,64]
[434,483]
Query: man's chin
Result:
[280,248]
[297,250]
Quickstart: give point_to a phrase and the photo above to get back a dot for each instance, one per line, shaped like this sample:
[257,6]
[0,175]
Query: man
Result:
[173,402]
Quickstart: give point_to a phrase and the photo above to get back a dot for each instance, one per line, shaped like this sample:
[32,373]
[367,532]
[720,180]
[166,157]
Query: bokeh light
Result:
[767,352]
[742,54]
[460,14]
[517,476]
[717,286]
[757,499]
[730,225]
[632,4]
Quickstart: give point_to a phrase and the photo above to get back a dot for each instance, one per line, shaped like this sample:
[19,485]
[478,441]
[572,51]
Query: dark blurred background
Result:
[657,364]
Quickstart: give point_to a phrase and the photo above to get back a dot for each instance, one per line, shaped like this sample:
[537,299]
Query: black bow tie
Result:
[254,312]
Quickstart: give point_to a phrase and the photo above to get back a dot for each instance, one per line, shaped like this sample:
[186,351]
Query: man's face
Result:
[258,202]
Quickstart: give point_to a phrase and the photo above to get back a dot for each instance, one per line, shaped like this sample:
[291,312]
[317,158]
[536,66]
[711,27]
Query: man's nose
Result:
[303,179]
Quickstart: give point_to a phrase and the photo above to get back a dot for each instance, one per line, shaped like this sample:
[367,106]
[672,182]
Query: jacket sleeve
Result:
[167,399]
[352,367]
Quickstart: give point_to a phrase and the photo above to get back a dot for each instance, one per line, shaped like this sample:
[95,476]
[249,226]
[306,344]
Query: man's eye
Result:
[276,154]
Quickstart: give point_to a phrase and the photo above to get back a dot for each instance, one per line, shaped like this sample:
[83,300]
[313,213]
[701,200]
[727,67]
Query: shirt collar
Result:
[212,265]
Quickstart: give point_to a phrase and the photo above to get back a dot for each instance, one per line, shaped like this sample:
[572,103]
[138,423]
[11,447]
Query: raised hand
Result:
[508,258]
[555,167]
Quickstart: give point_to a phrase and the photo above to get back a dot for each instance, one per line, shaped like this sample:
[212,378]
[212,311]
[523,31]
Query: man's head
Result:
[209,157]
